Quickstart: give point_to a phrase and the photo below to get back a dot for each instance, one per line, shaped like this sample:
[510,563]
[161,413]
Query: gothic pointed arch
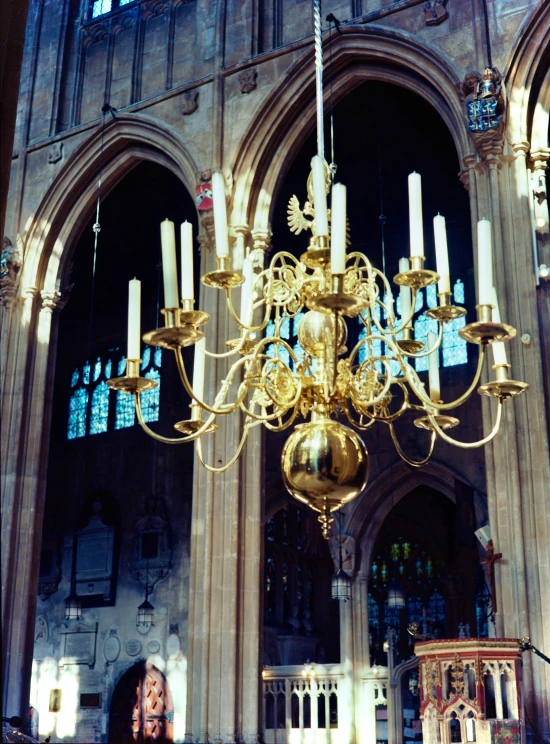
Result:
[281,126]
[70,201]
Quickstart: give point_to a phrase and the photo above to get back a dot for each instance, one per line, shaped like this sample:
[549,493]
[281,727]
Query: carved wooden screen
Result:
[142,709]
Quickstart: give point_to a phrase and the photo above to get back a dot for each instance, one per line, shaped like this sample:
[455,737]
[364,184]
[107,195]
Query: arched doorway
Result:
[142,709]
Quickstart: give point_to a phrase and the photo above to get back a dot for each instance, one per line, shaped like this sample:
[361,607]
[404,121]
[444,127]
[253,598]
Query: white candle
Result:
[169,266]
[198,370]
[415,215]
[441,254]
[498,348]
[246,292]
[319,195]
[187,288]
[484,263]
[134,319]
[405,292]
[338,230]
[220,215]
[433,369]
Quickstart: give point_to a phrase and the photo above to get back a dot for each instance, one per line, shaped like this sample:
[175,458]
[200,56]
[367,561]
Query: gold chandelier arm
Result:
[394,331]
[355,423]
[403,456]
[468,445]
[226,354]
[169,440]
[222,393]
[251,328]
[210,468]
[285,424]
[418,388]
[420,354]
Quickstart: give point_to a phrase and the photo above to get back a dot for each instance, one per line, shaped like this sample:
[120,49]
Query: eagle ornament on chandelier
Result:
[324,461]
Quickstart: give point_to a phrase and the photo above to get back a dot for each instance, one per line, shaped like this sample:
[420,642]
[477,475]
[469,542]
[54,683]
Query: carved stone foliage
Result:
[152,549]
[10,264]
[56,152]
[189,102]
[248,80]
[435,12]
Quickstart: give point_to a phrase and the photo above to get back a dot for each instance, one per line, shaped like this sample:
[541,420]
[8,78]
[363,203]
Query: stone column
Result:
[224,613]
[27,383]
[518,482]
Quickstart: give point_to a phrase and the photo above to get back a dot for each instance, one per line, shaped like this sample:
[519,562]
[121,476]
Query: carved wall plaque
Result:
[56,152]
[189,102]
[248,80]
[111,648]
[79,645]
[133,647]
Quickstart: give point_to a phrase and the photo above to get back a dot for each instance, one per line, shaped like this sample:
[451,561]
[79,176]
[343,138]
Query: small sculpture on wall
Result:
[482,95]
[248,80]
[10,263]
[189,102]
[56,153]
[435,12]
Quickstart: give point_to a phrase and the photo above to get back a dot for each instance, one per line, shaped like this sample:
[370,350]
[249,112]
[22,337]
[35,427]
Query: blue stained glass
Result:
[437,614]
[392,617]
[99,418]
[97,369]
[150,398]
[86,374]
[422,327]
[100,7]
[122,366]
[74,378]
[125,414]
[458,292]
[78,406]
[158,357]
[146,357]
[414,609]
[374,613]
[125,2]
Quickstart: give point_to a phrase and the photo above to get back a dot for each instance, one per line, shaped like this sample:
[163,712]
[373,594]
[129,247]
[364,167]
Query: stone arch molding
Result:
[375,503]
[527,78]
[288,116]
[70,201]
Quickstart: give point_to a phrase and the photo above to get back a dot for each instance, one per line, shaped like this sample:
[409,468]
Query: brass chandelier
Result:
[324,462]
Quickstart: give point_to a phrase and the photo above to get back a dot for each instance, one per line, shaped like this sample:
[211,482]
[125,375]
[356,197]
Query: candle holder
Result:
[443,421]
[484,331]
[132,382]
[416,277]
[318,253]
[246,346]
[338,301]
[223,277]
[188,316]
[174,335]
[408,344]
[502,387]
[445,311]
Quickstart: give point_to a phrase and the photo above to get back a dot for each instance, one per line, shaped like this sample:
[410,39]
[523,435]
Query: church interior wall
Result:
[231,85]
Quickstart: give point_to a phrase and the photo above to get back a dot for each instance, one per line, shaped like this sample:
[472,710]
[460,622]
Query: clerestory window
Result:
[94,408]
[99,8]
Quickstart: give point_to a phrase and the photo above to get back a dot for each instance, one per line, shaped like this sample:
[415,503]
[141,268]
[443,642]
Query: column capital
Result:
[519,147]
[262,239]
[539,158]
[51,300]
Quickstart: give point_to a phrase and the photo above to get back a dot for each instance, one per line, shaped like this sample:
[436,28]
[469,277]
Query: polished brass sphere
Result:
[312,330]
[325,464]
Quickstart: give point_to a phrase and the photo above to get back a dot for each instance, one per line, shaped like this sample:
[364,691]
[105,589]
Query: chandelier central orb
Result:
[324,464]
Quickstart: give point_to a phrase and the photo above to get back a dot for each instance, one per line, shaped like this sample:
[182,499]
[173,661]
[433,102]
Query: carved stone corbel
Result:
[10,265]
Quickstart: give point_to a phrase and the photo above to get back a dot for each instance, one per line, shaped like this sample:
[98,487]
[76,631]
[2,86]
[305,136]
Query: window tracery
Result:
[94,408]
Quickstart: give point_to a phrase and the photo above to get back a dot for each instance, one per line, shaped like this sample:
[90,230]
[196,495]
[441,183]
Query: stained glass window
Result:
[437,614]
[91,400]
[100,7]
[454,347]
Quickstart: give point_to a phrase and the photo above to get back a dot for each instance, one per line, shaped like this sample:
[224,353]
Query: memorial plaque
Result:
[87,731]
[133,647]
[153,647]
[80,641]
[111,649]
[173,646]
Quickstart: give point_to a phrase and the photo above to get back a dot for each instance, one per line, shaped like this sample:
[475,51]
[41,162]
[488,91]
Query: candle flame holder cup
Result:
[484,331]
[174,335]
[318,253]
[191,317]
[445,312]
[502,387]
[195,423]
[416,277]
[132,382]
[246,346]
[338,301]
[408,343]
[223,277]
[443,421]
